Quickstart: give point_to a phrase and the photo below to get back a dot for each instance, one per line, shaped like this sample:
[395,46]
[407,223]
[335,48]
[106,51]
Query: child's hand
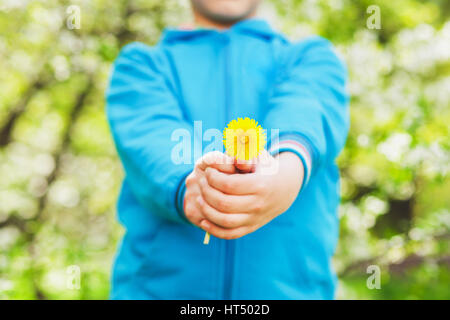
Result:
[234,205]
[215,160]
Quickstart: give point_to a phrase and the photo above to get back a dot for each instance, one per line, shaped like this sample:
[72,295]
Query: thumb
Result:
[245,166]
[217,160]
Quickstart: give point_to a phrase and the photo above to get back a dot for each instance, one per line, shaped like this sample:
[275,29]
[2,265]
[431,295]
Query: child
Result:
[274,234]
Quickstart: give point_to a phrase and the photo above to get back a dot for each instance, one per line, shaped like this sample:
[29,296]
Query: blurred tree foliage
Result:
[60,176]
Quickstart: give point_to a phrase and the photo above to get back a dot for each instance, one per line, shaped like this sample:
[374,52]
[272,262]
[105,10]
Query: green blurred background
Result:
[60,175]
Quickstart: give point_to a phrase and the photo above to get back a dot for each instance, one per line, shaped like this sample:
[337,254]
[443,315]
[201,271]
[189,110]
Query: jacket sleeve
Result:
[309,105]
[144,112]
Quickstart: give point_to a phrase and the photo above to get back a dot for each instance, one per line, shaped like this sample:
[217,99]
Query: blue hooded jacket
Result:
[215,76]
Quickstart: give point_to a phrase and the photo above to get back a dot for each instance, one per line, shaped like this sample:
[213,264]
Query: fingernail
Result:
[204,224]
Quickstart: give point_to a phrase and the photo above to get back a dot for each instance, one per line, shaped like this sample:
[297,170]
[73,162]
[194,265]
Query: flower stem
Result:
[206,239]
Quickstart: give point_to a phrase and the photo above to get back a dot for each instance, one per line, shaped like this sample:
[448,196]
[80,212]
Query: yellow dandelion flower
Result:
[244,139]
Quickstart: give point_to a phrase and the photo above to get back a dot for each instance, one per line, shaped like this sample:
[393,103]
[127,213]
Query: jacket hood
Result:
[256,27]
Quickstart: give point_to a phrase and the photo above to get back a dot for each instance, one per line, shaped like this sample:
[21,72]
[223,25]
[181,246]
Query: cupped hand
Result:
[216,160]
[231,205]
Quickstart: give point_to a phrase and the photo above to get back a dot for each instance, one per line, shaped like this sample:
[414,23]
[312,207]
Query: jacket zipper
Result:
[229,244]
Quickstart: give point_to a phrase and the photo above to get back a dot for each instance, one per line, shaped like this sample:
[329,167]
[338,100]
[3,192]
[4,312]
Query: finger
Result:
[225,220]
[193,213]
[245,166]
[223,233]
[226,203]
[237,184]
[265,162]
[217,160]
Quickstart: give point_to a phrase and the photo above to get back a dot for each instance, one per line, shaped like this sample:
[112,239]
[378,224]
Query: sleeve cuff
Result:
[299,146]
[179,201]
